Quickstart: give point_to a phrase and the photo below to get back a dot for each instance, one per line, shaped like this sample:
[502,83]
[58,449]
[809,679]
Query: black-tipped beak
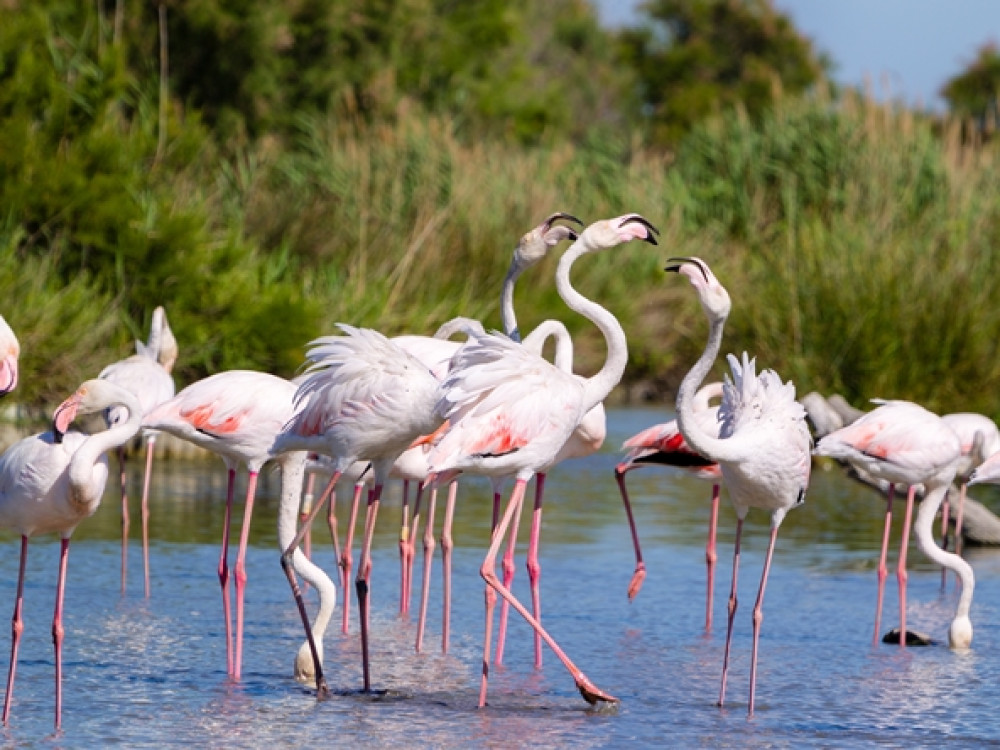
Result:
[560,215]
[57,435]
[650,238]
[675,264]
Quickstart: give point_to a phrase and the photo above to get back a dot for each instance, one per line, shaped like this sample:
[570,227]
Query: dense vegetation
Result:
[374,163]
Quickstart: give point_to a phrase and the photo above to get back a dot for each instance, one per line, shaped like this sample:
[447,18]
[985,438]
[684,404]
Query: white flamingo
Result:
[147,375]
[763,447]
[512,412]
[51,482]
[10,350]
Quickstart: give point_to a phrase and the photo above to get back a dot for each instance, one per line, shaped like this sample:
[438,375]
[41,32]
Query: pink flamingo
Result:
[10,350]
[512,412]
[762,448]
[901,443]
[663,444]
[367,400]
[980,439]
[235,414]
[146,374]
[50,483]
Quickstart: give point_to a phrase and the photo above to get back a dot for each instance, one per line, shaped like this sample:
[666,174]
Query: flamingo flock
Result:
[369,409]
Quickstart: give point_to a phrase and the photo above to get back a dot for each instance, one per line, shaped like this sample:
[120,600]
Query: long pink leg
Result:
[758,617]
[429,545]
[945,512]
[125,516]
[507,565]
[404,547]
[640,567]
[733,604]
[407,565]
[347,559]
[901,574]
[57,627]
[16,628]
[363,582]
[590,692]
[447,545]
[322,691]
[883,571]
[241,569]
[150,447]
[224,572]
[331,524]
[711,556]
[534,567]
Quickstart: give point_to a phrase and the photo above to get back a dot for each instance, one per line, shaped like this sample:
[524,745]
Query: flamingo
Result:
[664,444]
[10,350]
[901,442]
[762,448]
[147,375]
[980,439]
[363,398]
[235,414]
[52,481]
[511,412]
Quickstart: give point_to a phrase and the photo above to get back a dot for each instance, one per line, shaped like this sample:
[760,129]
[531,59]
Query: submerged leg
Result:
[57,627]
[347,558]
[224,572]
[425,589]
[711,556]
[733,604]
[758,617]
[125,516]
[640,567]
[883,571]
[241,569]
[363,583]
[590,692]
[144,510]
[535,567]
[507,565]
[447,545]
[901,574]
[16,628]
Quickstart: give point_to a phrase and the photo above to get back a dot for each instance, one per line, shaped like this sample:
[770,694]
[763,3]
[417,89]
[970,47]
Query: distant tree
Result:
[973,92]
[694,57]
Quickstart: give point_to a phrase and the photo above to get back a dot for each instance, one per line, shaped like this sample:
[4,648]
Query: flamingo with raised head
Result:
[663,445]
[511,413]
[49,483]
[147,375]
[762,448]
[235,414]
[901,442]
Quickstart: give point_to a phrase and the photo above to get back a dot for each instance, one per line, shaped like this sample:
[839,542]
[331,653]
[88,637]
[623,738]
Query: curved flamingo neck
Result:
[597,387]
[707,445]
[923,529]
[552,329]
[507,316]
[81,466]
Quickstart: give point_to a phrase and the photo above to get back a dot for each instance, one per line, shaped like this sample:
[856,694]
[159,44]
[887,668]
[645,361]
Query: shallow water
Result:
[152,672]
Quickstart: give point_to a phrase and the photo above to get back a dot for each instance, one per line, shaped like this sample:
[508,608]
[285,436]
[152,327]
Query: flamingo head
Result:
[92,397]
[960,633]
[713,296]
[305,670]
[535,245]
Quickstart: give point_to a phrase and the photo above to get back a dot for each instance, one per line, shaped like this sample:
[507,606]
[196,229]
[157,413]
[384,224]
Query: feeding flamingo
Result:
[903,443]
[511,412]
[367,399]
[663,445]
[51,482]
[762,448]
[147,375]
[235,414]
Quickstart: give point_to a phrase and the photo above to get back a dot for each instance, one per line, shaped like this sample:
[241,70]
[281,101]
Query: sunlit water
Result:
[152,672]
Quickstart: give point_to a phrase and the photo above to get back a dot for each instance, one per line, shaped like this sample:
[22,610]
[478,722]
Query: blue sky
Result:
[906,48]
